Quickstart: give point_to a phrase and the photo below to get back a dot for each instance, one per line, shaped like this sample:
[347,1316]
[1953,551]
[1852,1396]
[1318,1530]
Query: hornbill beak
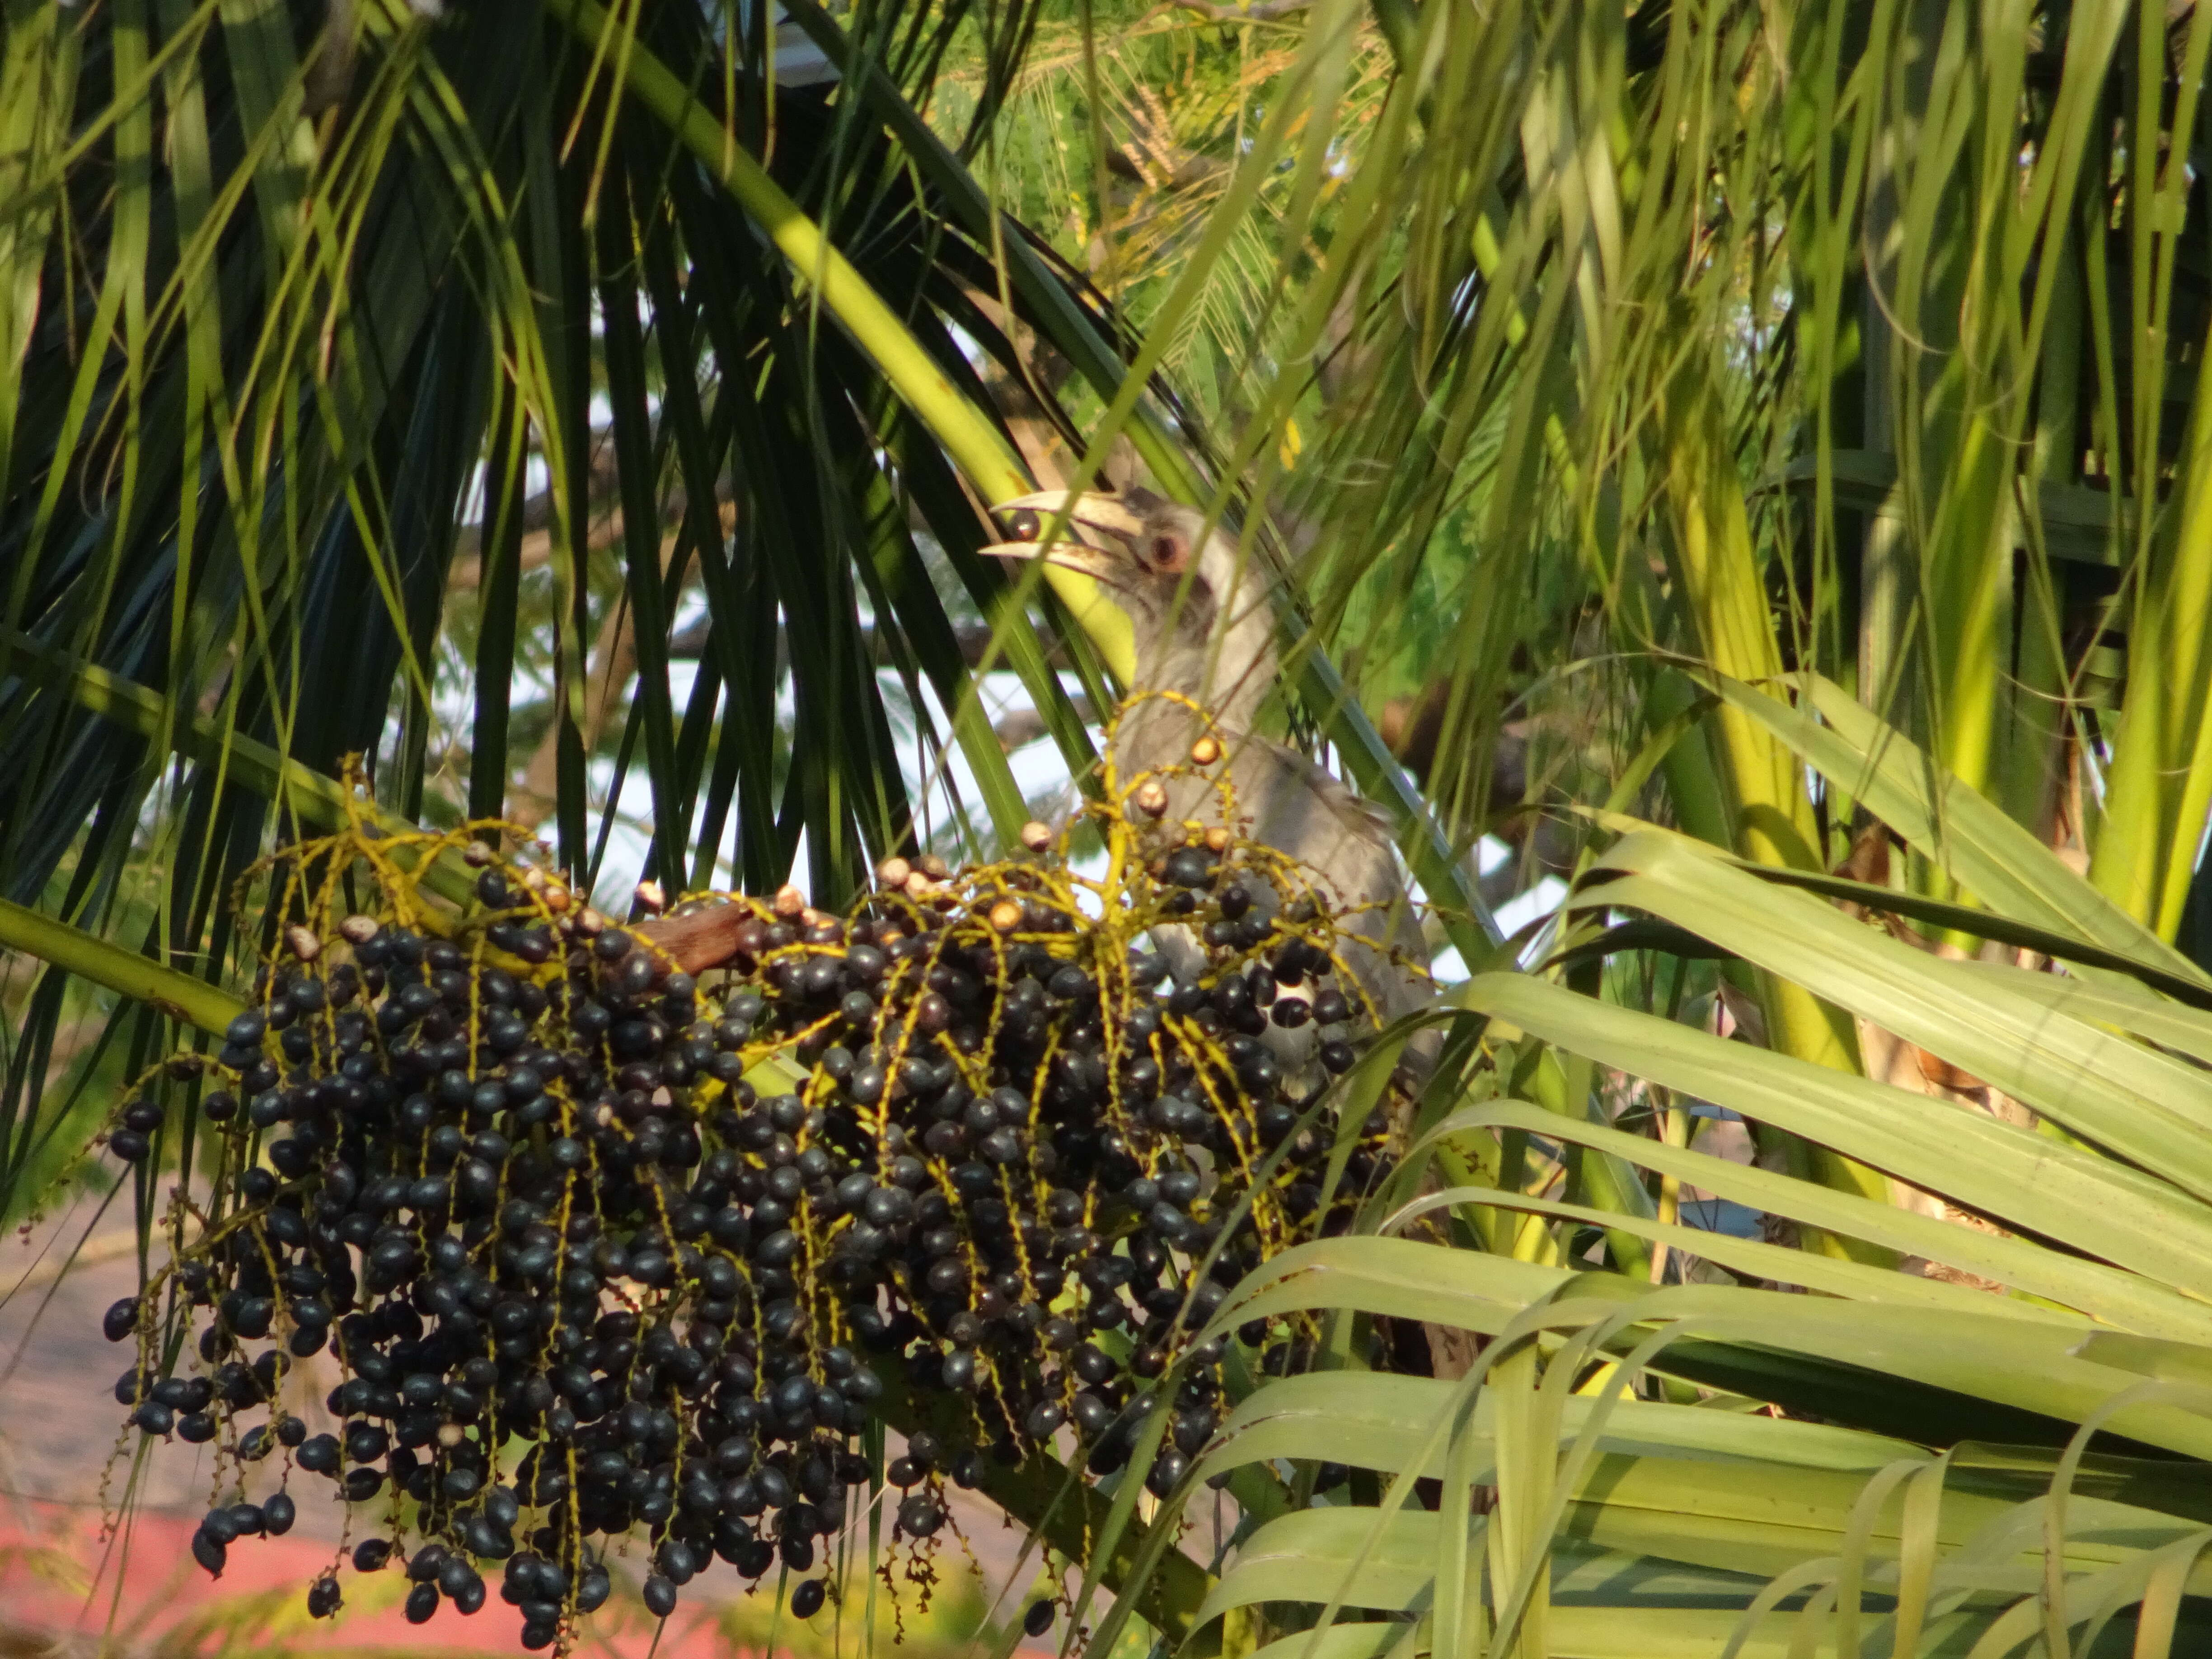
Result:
[1085,575]
[1090,518]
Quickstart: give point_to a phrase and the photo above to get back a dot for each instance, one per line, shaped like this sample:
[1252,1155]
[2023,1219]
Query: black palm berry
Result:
[592,1590]
[120,1320]
[517,1183]
[318,1456]
[1190,866]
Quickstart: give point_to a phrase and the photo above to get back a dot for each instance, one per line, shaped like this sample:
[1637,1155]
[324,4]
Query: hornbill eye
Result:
[1168,553]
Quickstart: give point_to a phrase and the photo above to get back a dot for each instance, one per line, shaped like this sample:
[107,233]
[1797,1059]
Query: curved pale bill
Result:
[1081,575]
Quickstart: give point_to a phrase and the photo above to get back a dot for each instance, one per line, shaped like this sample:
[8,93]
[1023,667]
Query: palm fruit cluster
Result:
[612,1254]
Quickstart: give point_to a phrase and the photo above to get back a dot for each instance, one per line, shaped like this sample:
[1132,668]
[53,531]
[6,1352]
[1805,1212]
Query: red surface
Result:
[59,1576]
[60,1432]
[62,1581]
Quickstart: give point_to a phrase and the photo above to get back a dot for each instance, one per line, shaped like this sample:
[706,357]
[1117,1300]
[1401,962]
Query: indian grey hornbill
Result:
[1204,627]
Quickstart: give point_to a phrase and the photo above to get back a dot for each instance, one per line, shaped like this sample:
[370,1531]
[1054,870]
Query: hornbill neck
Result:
[1225,662]
[1196,625]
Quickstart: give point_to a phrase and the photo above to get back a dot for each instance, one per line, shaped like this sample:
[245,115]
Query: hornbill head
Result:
[1199,627]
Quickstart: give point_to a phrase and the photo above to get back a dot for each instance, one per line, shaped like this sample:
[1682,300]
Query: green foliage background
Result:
[1724,446]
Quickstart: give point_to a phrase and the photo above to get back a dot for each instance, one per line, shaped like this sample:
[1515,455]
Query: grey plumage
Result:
[1204,630]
